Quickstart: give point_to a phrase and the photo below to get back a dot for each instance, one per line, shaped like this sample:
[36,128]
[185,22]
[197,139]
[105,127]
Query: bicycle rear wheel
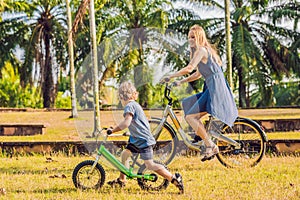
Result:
[252,140]
[166,141]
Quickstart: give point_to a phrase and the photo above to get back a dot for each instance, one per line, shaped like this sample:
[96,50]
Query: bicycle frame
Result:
[169,112]
[219,136]
[102,151]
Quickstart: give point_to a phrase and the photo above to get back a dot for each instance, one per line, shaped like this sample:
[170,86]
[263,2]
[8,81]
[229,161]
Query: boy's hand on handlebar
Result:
[109,131]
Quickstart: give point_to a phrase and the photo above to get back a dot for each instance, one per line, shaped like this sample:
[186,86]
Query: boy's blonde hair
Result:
[127,91]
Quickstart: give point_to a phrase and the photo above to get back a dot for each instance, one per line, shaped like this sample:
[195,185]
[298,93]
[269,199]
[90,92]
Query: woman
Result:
[217,99]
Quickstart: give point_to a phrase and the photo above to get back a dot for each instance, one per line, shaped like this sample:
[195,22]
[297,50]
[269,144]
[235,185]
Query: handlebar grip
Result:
[109,132]
[167,79]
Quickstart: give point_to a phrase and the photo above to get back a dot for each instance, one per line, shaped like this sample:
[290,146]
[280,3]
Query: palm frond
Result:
[241,39]
[279,31]
[284,11]
[210,3]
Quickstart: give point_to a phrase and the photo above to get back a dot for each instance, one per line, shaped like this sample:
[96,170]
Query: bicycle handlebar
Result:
[167,93]
[99,132]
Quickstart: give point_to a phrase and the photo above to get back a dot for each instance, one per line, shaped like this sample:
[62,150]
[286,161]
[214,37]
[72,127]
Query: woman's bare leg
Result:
[197,125]
[195,122]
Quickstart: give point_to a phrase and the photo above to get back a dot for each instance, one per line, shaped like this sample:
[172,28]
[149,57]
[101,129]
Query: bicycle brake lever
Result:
[173,85]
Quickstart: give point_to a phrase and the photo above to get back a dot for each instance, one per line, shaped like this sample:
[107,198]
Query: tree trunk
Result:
[95,68]
[228,43]
[142,82]
[74,113]
[242,89]
[48,84]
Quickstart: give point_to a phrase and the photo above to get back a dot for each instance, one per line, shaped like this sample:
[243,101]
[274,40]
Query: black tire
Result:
[82,178]
[166,142]
[159,184]
[252,140]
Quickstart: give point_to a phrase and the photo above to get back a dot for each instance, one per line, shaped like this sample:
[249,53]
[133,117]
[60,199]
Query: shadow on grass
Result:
[43,191]
[54,190]
[103,190]
[45,171]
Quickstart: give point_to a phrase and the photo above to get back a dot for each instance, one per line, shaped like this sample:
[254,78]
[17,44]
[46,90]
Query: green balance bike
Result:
[90,174]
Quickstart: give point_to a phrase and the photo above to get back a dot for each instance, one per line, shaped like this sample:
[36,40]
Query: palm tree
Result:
[74,113]
[116,19]
[258,47]
[41,34]
[133,18]
[124,31]
[8,41]
[262,49]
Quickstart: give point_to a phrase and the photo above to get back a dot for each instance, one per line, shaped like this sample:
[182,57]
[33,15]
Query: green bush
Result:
[13,95]
[63,102]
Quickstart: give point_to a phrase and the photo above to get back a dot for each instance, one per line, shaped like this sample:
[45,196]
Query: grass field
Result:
[35,178]
[274,178]
[59,127]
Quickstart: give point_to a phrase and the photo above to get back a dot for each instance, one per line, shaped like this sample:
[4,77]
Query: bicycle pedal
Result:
[207,158]
[210,158]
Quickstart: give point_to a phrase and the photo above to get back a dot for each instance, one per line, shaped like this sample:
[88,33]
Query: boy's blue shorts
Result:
[146,153]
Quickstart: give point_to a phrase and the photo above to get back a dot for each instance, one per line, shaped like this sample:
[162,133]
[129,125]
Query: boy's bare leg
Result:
[176,179]
[125,155]
[161,170]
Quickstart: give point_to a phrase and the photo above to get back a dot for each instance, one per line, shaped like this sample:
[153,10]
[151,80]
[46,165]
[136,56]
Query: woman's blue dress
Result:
[217,99]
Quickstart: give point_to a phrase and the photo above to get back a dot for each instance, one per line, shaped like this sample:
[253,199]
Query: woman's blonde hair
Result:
[201,40]
[127,91]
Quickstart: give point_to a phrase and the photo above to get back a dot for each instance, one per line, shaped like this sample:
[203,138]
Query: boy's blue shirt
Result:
[140,134]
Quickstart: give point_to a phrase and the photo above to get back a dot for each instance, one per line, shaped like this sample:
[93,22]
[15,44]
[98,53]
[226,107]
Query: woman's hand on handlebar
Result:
[165,79]
[176,83]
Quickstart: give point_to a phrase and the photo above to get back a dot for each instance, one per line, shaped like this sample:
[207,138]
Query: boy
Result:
[141,140]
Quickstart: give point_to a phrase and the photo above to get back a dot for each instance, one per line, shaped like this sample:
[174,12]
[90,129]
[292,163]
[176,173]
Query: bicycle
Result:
[90,174]
[242,145]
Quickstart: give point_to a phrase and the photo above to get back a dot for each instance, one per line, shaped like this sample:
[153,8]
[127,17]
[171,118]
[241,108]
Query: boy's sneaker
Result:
[116,183]
[177,181]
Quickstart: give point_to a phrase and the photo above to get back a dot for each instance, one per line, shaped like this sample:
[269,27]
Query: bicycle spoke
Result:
[251,141]
[166,142]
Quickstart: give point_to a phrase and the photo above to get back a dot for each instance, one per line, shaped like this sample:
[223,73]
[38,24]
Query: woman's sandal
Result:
[210,153]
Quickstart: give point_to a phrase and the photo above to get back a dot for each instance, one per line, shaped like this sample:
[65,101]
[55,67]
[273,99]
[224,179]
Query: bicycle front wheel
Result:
[84,178]
[166,141]
[252,142]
